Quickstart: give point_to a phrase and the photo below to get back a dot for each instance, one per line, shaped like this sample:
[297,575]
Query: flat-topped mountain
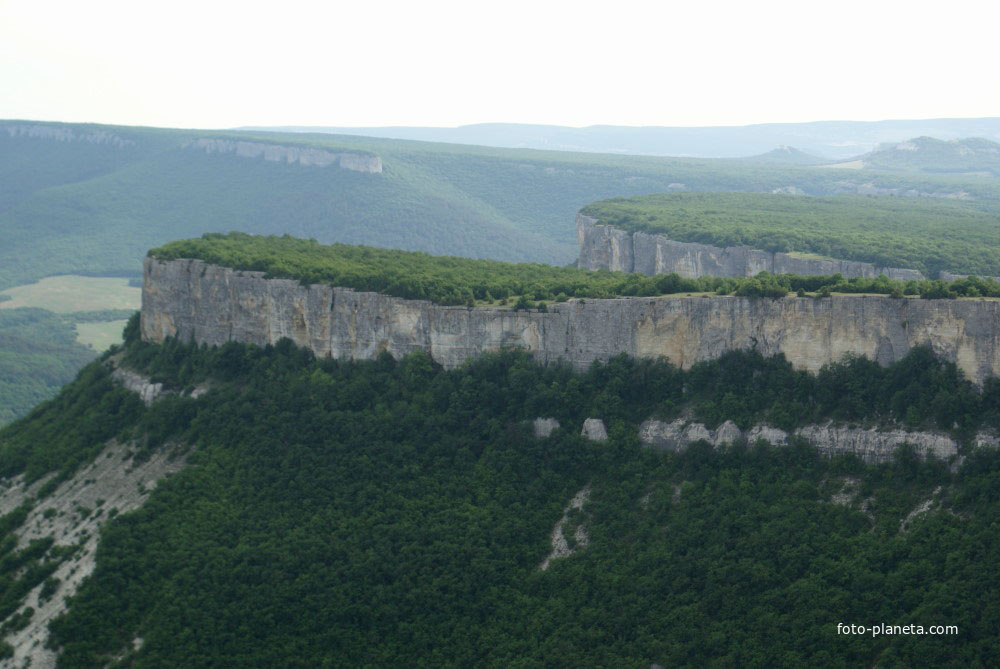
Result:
[291,461]
[345,302]
[929,236]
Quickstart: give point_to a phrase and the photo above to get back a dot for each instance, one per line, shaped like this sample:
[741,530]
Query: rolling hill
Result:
[974,156]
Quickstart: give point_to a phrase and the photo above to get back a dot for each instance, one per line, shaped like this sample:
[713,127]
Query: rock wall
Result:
[607,247]
[870,445]
[302,155]
[66,134]
[190,299]
[948,276]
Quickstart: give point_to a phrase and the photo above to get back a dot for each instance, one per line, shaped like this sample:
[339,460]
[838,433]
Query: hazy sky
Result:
[222,64]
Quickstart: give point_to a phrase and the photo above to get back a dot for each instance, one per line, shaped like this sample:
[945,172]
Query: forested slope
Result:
[95,205]
[390,512]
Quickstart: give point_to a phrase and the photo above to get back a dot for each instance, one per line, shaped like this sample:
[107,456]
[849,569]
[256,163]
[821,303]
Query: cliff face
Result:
[606,247]
[67,134]
[302,155]
[868,444]
[190,299]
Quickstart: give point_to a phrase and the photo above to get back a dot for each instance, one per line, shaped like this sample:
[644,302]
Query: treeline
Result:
[390,512]
[927,234]
[464,281]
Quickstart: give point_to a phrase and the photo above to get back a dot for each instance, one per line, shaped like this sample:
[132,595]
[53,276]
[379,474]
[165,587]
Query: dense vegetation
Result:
[75,207]
[455,281]
[974,154]
[39,354]
[917,233]
[390,512]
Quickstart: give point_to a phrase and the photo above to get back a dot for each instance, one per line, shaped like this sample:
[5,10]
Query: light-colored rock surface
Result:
[143,386]
[66,134]
[147,391]
[545,426]
[875,445]
[593,429]
[771,435]
[113,477]
[607,247]
[301,155]
[986,440]
[948,276]
[560,547]
[922,508]
[190,299]
[868,444]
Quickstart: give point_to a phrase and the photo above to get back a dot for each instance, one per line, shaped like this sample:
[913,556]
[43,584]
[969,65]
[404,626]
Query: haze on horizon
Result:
[446,63]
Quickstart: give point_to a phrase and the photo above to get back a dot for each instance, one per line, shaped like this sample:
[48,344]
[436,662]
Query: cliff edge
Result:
[193,300]
[607,247]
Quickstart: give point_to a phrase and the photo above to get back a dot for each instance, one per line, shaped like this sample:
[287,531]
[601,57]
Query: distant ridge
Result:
[839,140]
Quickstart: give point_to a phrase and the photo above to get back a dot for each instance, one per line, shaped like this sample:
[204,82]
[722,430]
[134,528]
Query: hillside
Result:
[972,156]
[887,231]
[390,512]
[92,199]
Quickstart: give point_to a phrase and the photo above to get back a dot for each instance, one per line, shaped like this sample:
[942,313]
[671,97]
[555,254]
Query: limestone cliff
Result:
[67,134]
[301,155]
[607,247]
[190,299]
[871,445]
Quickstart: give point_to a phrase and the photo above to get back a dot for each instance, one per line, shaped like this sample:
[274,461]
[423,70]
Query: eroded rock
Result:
[593,429]
[543,427]
[192,300]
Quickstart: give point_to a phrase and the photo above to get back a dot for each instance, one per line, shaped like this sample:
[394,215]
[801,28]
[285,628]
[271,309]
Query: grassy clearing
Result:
[99,336]
[69,293]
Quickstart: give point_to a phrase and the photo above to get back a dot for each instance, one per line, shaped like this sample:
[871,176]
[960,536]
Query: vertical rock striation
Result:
[607,247]
[192,300]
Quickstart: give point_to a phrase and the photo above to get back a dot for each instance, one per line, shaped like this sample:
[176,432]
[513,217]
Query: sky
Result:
[440,63]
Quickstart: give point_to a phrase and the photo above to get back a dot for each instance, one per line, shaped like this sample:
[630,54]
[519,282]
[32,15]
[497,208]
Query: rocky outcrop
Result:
[561,547]
[143,386]
[870,445]
[72,516]
[607,247]
[948,276]
[543,427]
[67,134]
[594,430]
[192,300]
[147,391]
[300,155]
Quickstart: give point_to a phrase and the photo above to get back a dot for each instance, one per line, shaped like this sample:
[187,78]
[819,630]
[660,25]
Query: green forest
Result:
[908,232]
[392,512]
[39,354]
[464,281]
